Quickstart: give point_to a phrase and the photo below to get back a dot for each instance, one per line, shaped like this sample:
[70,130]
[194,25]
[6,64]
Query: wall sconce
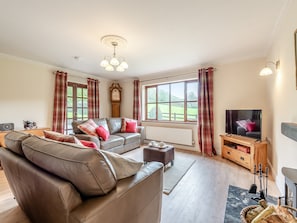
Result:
[267,70]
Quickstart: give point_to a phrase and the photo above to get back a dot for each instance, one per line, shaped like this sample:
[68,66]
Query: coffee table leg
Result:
[172,162]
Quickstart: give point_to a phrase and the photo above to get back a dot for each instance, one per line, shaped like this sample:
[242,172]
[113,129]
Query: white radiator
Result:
[170,135]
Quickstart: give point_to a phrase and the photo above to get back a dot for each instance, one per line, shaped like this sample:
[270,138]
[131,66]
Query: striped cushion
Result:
[88,127]
[61,137]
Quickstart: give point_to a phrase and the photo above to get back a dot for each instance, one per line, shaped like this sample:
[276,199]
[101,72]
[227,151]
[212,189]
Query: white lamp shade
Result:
[104,63]
[120,68]
[266,71]
[109,68]
[114,61]
[124,65]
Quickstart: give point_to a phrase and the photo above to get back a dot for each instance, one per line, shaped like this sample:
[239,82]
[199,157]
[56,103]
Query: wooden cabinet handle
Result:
[228,153]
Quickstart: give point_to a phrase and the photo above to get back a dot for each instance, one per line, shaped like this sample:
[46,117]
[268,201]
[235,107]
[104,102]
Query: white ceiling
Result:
[162,35]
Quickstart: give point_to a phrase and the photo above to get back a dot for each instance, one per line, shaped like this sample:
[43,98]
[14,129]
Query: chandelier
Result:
[111,63]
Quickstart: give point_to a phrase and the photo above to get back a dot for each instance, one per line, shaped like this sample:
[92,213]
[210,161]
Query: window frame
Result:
[185,102]
[74,106]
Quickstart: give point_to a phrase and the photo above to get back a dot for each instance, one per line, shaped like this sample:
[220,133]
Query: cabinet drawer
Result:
[237,156]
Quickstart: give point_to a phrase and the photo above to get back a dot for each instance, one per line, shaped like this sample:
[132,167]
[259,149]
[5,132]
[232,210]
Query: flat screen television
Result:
[244,122]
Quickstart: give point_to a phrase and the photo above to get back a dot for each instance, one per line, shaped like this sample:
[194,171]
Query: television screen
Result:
[244,122]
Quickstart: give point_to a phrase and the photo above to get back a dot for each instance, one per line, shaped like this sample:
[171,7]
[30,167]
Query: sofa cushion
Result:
[98,121]
[102,122]
[251,126]
[13,141]
[243,123]
[124,166]
[102,133]
[113,141]
[88,127]
[129,137]
[124,121]
[86,169]
[114,125]
[60,137]
[89,144]
[75,128]
[131,126]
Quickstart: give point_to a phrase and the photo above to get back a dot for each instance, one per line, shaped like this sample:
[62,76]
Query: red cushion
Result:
[251,126]
[89,144]
[102,133]
[131,126]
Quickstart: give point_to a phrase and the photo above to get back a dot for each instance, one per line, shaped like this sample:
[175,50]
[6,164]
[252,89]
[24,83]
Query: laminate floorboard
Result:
[199,197]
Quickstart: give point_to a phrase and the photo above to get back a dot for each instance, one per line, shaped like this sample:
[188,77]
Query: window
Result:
[77,104]
[176,102]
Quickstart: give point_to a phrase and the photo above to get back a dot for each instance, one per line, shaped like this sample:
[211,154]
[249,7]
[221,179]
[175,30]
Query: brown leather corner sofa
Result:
[118,142]
[56,182]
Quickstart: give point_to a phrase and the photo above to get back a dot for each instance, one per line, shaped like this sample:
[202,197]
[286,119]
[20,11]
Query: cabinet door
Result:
[115,110]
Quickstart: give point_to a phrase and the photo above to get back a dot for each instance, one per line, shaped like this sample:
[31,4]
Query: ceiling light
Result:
[114,62]
[268,71]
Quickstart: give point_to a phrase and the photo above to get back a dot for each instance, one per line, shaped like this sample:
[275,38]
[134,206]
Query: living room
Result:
[27,89]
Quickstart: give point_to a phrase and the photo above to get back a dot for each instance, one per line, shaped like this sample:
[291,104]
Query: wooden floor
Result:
[199,197]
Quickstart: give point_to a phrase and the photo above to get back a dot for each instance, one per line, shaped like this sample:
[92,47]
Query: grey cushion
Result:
[86,169]
[115,125]
[102,122]
[129,137]
[98,121]
[76,130]
[113,141]
[13,141]
[124,166]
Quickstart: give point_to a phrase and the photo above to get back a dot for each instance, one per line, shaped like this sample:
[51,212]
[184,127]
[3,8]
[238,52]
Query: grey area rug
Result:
[238,199]
[175,173]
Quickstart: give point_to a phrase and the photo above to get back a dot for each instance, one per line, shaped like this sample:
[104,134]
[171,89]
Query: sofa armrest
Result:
[140,130]
[133,200]
[86,137]
[42,196]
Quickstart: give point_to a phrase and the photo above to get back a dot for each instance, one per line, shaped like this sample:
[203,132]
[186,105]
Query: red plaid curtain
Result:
[136,102]
[205,111]
[93,98]
[60,100]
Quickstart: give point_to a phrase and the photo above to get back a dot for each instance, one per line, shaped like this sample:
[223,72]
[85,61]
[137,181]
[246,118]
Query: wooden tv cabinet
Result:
[244,151]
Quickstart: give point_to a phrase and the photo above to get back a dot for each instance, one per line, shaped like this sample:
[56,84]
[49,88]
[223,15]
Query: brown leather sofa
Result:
[60,182]
[118,142]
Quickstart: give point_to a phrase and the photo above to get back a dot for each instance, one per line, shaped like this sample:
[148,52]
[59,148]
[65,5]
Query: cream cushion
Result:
[123,166]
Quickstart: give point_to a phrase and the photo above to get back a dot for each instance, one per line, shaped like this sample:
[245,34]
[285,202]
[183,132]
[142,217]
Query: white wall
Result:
[238,86]
[283,93]
[127,98]
[27,91]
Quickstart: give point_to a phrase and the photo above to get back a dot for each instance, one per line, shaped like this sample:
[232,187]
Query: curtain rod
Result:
[71,75]
[177,75]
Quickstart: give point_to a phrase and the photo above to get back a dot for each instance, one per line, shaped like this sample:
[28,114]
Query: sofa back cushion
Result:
[13,141]
[102,122]
[86,169]
[98,121]
[115,125]
[75,128]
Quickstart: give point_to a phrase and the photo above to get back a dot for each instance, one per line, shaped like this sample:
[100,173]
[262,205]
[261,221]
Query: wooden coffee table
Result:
[163,155]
